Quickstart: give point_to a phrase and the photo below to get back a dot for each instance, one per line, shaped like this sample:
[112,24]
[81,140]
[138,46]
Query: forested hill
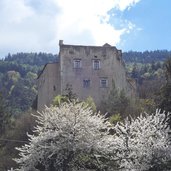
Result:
[146,56]
[18,92]
[18,73]
[31,58]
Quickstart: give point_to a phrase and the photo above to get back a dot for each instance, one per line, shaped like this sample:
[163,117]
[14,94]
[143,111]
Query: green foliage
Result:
[4,115]
[115,118]
[90,102]
[146,56]
[135,71]
[145,105]
[63,98]
[13,76]
[21,69]
[21,97]
[31,59]
[143,72]
[68,96]
[117,102]
[150,88]
[59,99]
[68,93]
[165,98]
[15,135]
[167,66]
[150,72]
[31,75]
[18,74]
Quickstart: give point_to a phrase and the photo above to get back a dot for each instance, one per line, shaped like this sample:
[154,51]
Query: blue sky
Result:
[154,20]
[37,25]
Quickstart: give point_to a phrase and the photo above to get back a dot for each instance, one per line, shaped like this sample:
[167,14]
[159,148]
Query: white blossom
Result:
[71,137]
[142,143]
[64,137]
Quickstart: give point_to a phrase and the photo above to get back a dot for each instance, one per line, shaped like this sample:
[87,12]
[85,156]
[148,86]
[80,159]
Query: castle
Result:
[90,70]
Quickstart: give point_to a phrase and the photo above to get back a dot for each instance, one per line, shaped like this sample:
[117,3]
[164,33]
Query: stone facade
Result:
[90,70]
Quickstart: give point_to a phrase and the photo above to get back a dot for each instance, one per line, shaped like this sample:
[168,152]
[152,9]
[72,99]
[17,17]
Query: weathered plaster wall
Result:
[48,85]
[112,68]
[54,77]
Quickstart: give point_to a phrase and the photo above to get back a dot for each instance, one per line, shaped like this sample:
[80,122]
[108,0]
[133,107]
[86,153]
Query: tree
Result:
[15,135]
[168,70]
[59,99]
[90,103]
[164,99]
[68,137]
[135,72]
[116,103]
[68,96]
[4,115]
[143,143]
[68,93]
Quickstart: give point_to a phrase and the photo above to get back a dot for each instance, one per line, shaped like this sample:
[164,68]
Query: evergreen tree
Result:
[4,115]
[116,103]
[165,92]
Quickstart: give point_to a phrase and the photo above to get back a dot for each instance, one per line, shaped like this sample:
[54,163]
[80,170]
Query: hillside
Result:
[146,56]
[18,73]
[18,91]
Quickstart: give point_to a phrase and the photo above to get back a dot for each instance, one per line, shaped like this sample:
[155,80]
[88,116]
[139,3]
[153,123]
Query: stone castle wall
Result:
[76,67]
[48,85]
[111,68]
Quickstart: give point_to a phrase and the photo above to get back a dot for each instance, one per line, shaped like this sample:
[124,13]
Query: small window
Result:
[96,64]
[86,83]
[71,52]
[77,63]
[103,82]
[54,88]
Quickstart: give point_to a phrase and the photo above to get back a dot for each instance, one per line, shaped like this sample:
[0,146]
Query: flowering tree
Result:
[68,137]
[142,144]
[71,137]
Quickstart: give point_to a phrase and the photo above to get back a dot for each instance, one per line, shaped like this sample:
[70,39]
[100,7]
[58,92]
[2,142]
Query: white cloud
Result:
[14,11]
[126,4]
[29,25]
[91,16]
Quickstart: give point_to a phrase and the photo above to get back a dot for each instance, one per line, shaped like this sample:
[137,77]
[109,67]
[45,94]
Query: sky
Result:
[38,25]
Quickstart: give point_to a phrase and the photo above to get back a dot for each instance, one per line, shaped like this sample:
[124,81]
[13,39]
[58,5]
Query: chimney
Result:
[61,42]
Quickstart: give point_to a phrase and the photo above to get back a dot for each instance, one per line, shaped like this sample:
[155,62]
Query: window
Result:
[54,88]
[86,83]
[71,52]
[77,63]
[103,82]
[96,64]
